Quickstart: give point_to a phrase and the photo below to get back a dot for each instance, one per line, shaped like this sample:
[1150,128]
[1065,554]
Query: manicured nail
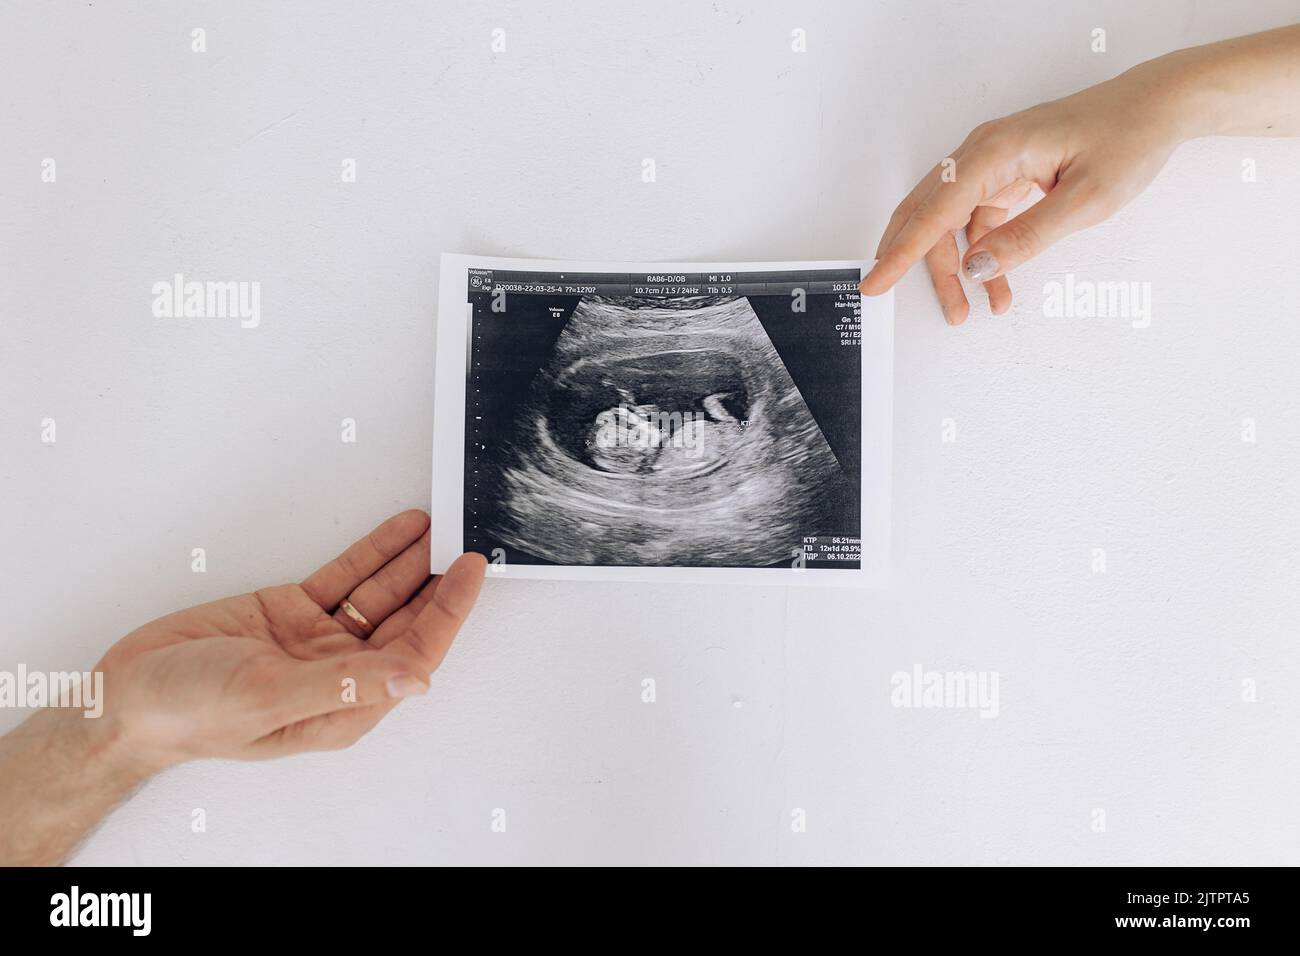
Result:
[404,685]
[983,265]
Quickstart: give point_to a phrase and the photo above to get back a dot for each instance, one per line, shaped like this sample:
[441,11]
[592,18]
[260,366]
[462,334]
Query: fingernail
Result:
[404,685]
[983,265]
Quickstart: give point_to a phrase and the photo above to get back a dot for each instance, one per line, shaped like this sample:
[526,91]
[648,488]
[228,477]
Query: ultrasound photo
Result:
[702,420]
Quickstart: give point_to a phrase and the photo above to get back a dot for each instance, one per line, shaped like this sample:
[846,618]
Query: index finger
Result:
[946,209]
[908,206]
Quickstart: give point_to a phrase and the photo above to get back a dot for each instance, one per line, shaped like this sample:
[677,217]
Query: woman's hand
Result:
[286,668]
[1089,153]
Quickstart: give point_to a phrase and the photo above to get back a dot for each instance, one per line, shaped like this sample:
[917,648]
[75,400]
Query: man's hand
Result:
[282,670]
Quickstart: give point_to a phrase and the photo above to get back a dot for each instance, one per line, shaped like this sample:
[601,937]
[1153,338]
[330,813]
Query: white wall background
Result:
[1120,691]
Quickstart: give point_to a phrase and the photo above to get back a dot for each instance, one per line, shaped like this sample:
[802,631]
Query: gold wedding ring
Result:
[360,619]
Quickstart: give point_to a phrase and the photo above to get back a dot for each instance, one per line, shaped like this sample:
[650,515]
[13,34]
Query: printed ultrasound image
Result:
[660,431]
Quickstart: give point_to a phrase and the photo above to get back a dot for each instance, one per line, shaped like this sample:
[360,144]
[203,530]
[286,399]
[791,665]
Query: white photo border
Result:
[447,507]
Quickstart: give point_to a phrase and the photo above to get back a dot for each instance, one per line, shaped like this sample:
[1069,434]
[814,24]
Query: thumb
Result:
[426,641]
[1062,211]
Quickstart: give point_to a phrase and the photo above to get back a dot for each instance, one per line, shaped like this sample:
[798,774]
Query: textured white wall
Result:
[1120,691]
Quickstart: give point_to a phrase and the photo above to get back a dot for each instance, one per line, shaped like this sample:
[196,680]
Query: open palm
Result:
[286,668]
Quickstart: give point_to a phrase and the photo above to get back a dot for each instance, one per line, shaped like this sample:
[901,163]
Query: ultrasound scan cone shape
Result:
[737,471]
